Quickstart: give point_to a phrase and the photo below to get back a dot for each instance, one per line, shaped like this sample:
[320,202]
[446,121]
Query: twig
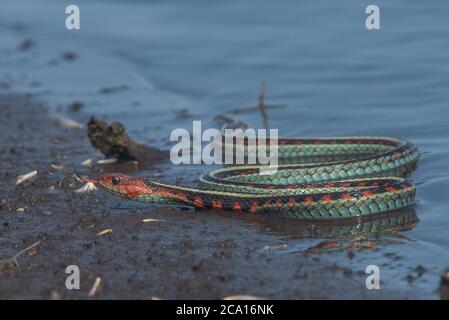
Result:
[14,258]
[95,287]
[262,105]
[103,232]
[67,123]
[26,249]
[151,220]
[107,161]
[256,108]
[26,177]
[88,163]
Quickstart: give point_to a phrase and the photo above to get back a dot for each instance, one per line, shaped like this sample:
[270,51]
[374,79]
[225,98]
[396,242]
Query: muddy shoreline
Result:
[173,255]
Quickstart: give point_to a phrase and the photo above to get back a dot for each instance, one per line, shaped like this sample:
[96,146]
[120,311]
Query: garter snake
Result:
[358,176]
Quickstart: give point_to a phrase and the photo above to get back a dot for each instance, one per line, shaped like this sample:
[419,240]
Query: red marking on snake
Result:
[329,185]
[326,199]
[278,202]
[198,202]
[291,186]
[346,197]
[291,202]
[392,189]
[308,201]
[236,207]
[317,142]
[217,205]
[182,197]
[345,185]
[333,142]
[269,187]
[360,184]
[267,204]
[253,207]
[367,194]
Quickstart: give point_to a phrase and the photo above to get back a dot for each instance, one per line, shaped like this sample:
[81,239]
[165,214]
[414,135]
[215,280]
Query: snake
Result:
[318,178]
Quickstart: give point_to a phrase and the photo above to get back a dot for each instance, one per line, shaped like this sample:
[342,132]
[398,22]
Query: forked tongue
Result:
[90,183]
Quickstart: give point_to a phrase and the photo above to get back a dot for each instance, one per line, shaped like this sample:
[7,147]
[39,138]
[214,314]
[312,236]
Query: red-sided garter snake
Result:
[360,176]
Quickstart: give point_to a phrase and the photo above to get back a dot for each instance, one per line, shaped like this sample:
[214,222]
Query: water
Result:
[336,77]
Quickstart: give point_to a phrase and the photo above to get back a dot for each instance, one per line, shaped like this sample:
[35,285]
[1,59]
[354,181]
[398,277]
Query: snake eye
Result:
[115,180]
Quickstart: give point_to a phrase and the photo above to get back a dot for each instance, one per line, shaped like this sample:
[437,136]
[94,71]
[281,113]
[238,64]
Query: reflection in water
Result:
[357,233]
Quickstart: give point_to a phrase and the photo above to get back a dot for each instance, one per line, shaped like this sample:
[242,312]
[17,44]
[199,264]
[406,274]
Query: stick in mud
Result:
[10,263]
[113,141]
[261,107]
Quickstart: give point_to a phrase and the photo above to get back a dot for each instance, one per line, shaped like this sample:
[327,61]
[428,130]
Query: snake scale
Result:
[322,178]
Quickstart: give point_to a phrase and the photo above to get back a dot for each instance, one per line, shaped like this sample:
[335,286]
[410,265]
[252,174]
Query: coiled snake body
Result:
[334,178]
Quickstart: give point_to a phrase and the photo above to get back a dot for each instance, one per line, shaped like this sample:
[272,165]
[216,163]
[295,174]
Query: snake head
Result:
[122,185]
[137,188]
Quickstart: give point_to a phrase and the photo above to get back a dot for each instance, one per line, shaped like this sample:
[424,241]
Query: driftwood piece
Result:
[113,141]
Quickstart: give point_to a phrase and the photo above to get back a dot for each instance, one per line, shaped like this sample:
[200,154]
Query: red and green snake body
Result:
[330,178]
